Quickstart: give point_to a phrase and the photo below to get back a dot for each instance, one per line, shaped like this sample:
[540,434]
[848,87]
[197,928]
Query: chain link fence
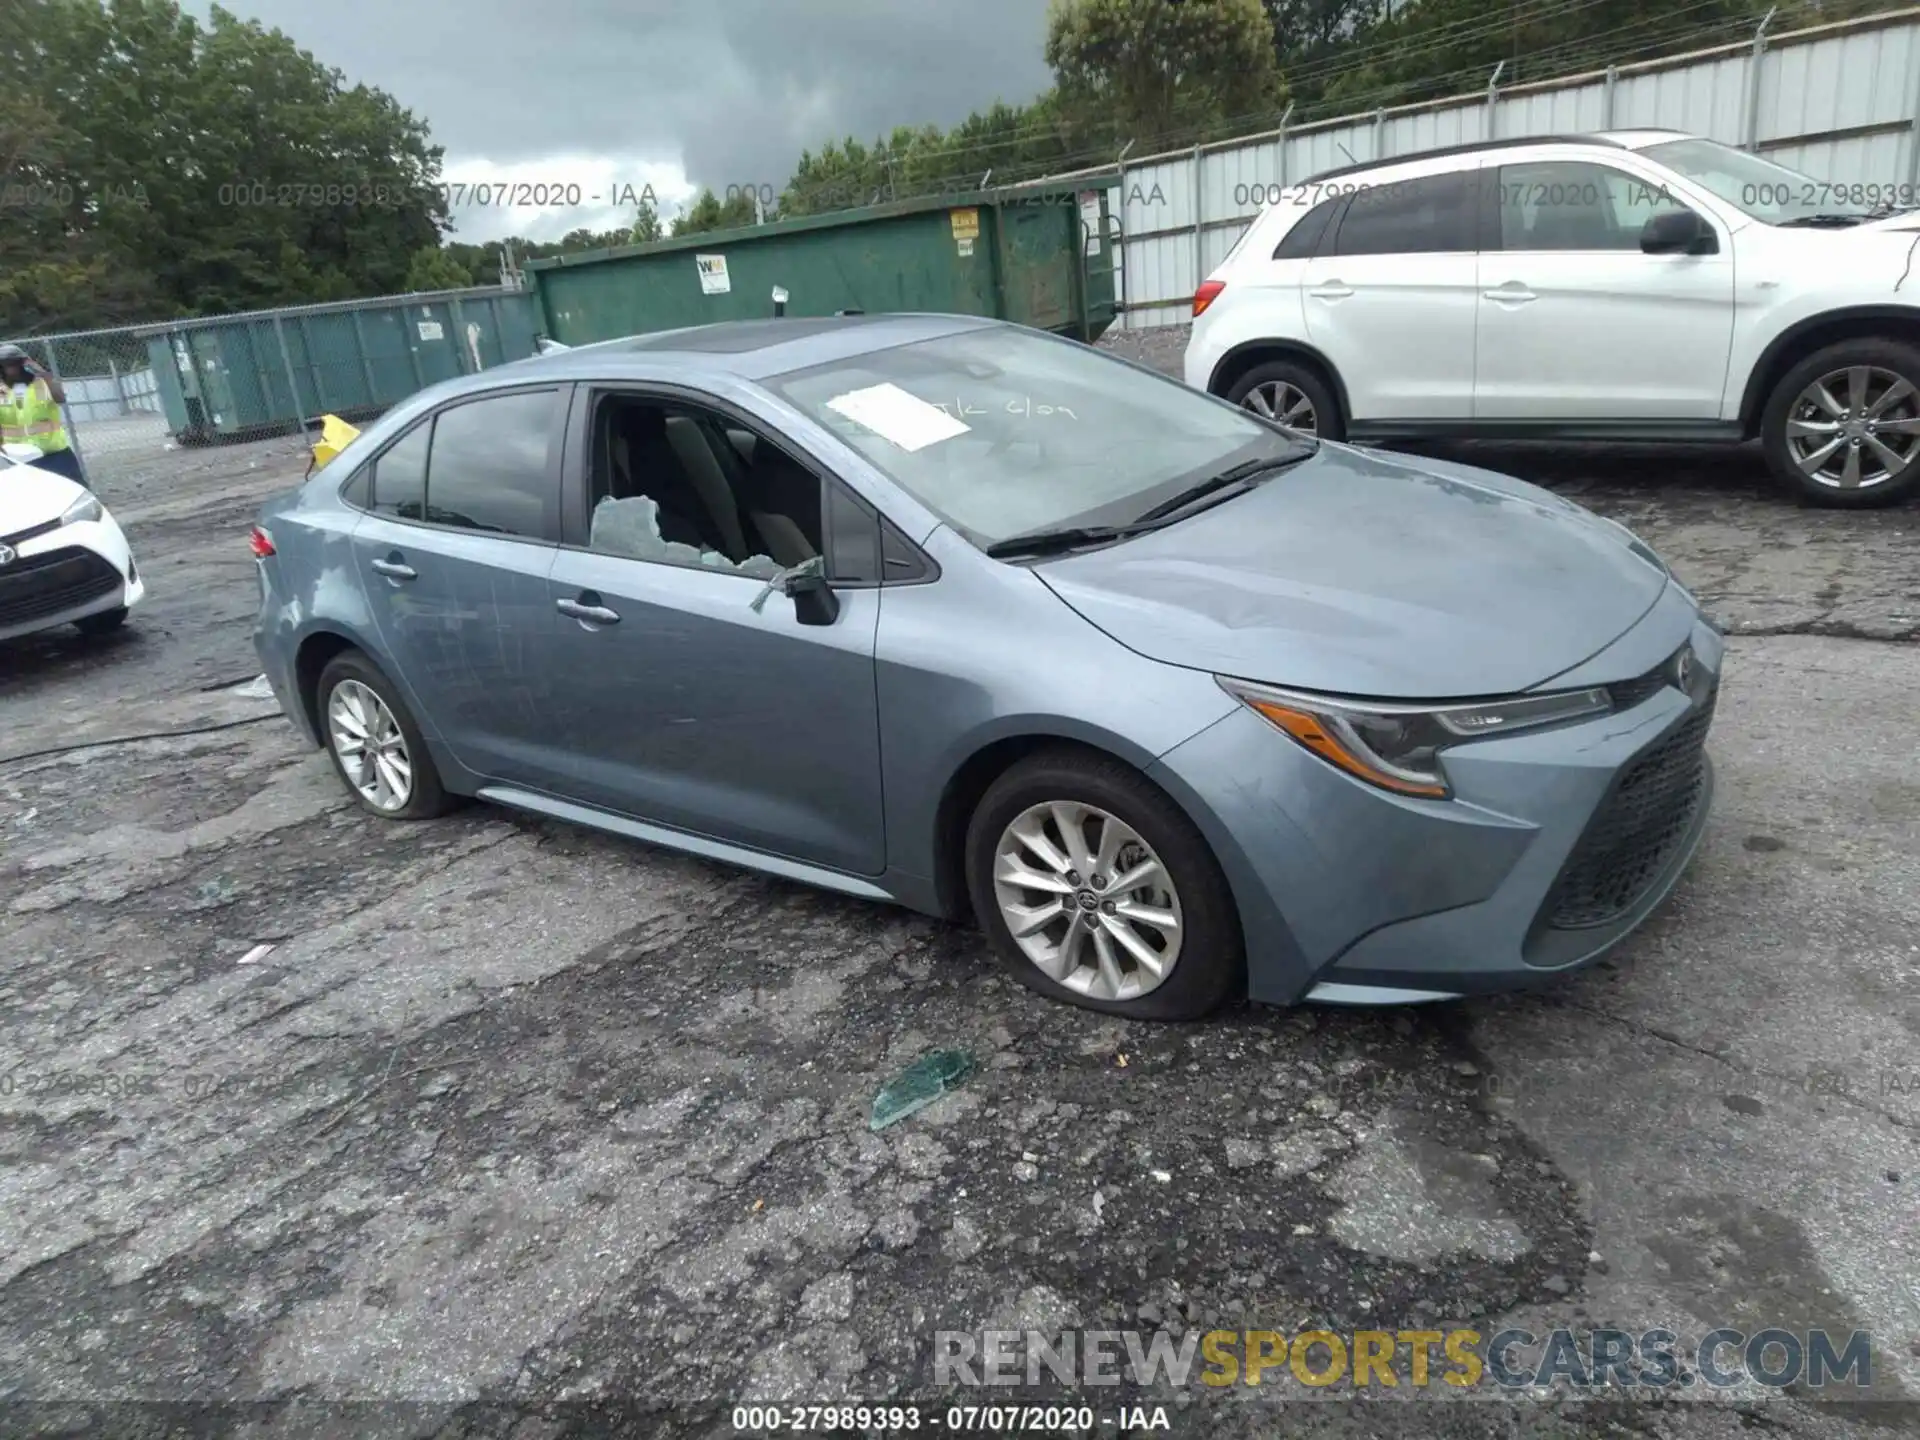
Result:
[138,395]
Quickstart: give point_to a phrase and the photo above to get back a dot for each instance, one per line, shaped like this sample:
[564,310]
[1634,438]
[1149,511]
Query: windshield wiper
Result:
[1046,542]
[1823,222]
[1234,477]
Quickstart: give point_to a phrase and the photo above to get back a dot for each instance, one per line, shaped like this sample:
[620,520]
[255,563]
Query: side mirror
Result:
[814,602]
[1678,232]
[23,454]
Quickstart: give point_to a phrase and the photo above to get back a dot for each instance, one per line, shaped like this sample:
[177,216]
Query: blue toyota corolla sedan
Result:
[1174,703]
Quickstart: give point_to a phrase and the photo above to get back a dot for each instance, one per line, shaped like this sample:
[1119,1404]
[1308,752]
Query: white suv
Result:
[1643,285]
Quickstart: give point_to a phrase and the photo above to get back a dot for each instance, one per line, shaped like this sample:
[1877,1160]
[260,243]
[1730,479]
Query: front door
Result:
[685,705]
[1577,322]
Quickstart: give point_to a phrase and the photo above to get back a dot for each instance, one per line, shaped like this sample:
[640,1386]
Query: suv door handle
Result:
[1331,290]
[593,614]
[1513,290]
[394,570]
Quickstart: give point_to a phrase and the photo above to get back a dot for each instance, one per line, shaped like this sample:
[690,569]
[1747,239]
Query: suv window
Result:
[1575,205]
[400,476]
[1303,239]
[1430,215]
[489,470]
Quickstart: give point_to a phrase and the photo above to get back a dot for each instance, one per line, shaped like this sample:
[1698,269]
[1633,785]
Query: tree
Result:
[202,169]
[1159,68]
[709,212]
[433,268]
[646,224]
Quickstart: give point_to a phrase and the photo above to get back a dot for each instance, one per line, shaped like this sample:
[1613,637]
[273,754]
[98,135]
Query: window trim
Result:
[564,398]
[577,475]
[1467,176]
[1492,233]
[1336,208]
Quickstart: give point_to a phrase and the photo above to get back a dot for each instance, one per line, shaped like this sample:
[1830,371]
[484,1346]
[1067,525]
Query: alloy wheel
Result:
[1287,404]
[371,749]
[1856,428]
[1087,900]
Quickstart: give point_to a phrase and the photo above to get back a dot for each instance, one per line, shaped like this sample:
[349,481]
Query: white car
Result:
[63,560]
[1639,285]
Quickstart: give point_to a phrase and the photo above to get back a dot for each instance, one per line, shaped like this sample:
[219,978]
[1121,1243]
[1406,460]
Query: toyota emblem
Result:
[8,554]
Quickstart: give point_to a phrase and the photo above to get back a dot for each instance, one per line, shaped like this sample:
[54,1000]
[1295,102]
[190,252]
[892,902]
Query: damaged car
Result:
[1177,704]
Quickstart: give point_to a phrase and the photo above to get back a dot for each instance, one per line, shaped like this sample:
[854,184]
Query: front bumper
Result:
[64,573]
[1557,845]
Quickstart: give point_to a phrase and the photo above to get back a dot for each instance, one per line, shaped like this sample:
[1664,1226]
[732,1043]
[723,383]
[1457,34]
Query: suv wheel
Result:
[1096,889]
[1843,426]
[1293,394]
[375,744]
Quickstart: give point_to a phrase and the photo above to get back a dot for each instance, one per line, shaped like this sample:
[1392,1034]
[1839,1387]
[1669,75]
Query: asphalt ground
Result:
[522,1129]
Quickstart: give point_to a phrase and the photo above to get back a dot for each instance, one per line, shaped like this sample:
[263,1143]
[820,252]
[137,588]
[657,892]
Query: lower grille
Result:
[37,586]
[1638,827]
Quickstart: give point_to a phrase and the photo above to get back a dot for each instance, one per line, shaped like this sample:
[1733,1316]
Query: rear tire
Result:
[1281,385]
[104,623]
[1165,948]
[374,743]
[1819,397]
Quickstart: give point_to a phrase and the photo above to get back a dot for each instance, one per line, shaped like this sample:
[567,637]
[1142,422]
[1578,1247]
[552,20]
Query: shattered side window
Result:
[631,528]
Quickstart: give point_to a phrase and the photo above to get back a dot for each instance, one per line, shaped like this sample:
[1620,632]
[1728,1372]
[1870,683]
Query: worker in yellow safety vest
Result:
[30,401]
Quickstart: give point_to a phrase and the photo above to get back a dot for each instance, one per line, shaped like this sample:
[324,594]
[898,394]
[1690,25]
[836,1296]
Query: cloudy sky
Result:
[615,95]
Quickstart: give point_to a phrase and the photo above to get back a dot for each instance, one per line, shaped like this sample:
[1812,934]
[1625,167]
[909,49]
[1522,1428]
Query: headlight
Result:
[87,507]
[1397,747]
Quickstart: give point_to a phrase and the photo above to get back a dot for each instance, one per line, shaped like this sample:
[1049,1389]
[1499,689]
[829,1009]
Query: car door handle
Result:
[1513,292]
[596,614]
[1331,290]
[394,570]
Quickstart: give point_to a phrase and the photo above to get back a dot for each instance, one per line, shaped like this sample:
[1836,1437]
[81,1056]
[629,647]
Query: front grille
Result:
[1636,829]
[36,586]
[20,537]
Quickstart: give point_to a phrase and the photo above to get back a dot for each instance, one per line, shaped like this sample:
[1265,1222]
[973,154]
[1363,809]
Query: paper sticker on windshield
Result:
[897,416]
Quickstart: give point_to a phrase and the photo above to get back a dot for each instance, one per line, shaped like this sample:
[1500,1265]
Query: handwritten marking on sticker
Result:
[1023,405]
[897,416]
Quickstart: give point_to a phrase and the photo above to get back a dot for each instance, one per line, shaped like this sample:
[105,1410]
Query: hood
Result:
[1906,223]
[31,496]
[1364,574]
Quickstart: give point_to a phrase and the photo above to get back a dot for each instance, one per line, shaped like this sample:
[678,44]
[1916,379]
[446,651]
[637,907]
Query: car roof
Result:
[750,349]
[1601,139]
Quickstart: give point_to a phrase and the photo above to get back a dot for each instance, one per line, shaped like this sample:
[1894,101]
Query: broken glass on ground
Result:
[919,1085]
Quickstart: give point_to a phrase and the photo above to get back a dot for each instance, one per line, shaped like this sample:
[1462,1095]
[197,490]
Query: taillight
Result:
[1204,296]
[260,542]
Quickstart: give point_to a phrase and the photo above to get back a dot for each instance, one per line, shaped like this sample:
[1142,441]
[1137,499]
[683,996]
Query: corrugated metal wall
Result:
[1840,102]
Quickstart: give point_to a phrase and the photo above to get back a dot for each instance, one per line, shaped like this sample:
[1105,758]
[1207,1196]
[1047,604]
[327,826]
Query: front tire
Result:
[375,744]
[1294,394]
[1842,428]
[1096,889]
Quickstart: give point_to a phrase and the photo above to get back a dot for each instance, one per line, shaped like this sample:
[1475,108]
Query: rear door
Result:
[453,554]
[1390,296]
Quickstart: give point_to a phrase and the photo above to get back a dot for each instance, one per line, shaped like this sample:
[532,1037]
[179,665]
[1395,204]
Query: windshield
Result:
[1003,432]
[1766,191]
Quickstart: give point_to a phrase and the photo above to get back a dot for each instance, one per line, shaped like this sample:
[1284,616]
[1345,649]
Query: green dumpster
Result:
[1038,255]
[241,376]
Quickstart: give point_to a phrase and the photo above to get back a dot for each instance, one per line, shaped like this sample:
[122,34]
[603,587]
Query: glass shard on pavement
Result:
[919,1085]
